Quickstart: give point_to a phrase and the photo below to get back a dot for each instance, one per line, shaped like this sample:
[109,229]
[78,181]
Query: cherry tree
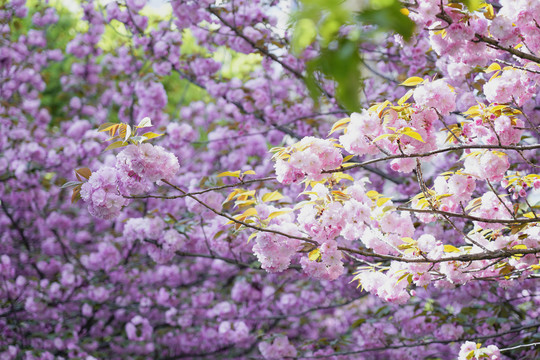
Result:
[240,179]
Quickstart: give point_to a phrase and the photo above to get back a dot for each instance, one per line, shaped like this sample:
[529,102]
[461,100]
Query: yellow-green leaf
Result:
[339,124]
[493,67]
[277,213]
[405,97]
[252,236]
[494,75]
[472,153]
[244,203]
[341,175]
[413,134]
[151,135]
[314,255]
[230,173]
[442,196]
[497,108]
[115,145]
[422,203]
[402,277]
[303,203]
[246,193]
[384,136]
[273,196]
[107,126]
[450,248]
[412,81]
[232,195]
[249,212]
[372,194]
[490,12]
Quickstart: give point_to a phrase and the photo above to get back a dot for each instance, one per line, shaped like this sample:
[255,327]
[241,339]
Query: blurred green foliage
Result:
[180,91]
[339,58]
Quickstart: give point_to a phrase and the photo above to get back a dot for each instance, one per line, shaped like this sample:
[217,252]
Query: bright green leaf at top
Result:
[327,16]
[473,5]
[379,4]
[305,33]
[342,65]
[339,58]
[389,18]
[329,28]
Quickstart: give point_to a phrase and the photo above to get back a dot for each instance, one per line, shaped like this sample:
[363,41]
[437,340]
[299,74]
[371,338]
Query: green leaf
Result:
[473,5]
[450,248]
[106,126]
[406,96]
[493,67]
[277,213]
[252,236]
[230,173]
[389,18]
[402,277]
[519,247]
[338,125]
[273,196]
[314,254]
[115,145]
[342,64]
[151,135]
[384,136]
[305,33]
[412,81]
[357,323]
[411,133]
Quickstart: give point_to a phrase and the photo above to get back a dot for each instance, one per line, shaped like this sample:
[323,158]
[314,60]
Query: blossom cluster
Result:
[401,129]
[308,158]
[137,167]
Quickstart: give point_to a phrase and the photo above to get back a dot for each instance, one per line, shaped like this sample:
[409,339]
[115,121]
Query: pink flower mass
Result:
[263,179]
